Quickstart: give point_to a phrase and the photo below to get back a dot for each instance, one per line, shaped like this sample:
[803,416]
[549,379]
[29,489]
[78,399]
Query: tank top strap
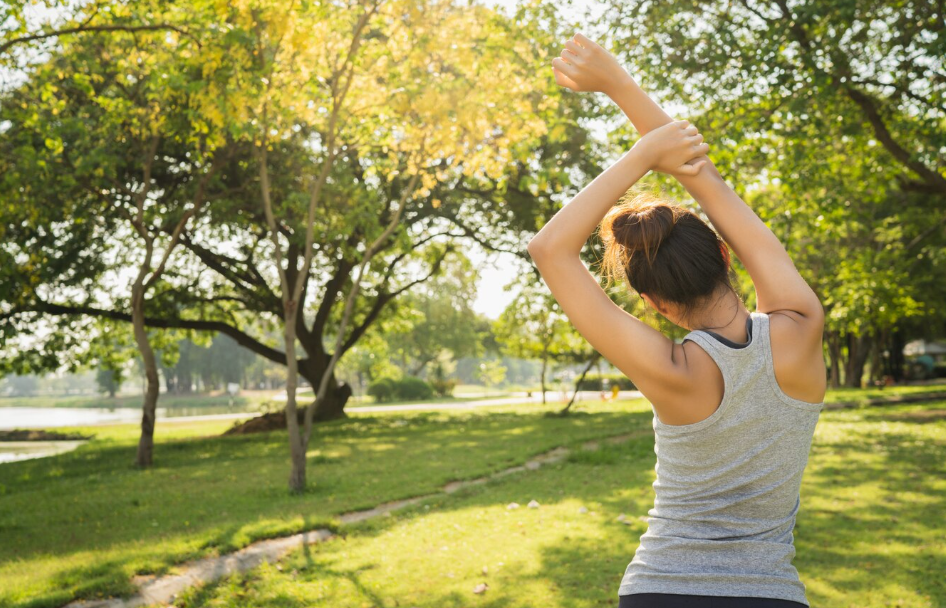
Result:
[739,361]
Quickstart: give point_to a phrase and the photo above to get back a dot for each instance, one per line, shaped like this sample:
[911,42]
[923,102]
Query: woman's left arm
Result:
[651,360]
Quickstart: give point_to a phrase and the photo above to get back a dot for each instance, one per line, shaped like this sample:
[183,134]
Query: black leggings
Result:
[669,600]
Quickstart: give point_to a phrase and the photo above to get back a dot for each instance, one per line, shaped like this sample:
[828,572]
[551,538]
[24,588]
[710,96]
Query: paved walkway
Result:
[354,409]
[522,398]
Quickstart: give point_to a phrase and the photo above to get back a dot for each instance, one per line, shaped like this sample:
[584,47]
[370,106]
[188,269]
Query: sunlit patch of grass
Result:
[209,494]
[870,532]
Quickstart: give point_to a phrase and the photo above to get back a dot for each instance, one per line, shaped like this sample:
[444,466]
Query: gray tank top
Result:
[727,487]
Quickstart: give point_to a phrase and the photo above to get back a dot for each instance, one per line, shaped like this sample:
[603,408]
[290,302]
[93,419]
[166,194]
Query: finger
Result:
[687,169]
[587,43]
[692,130]
[701,149]
[565,81]
[698,166]
[683,124]
[696,139]
[573,46]
[572,57]
[565,67]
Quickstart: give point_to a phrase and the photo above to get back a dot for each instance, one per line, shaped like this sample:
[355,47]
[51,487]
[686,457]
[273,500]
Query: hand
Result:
[673,148]
[586,66]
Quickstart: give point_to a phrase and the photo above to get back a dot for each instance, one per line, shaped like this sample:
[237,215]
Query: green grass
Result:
[862,395]
[81,524]
[870,532]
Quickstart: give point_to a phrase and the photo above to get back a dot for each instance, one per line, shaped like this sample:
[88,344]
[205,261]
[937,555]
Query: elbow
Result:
[538,248]
[815,312]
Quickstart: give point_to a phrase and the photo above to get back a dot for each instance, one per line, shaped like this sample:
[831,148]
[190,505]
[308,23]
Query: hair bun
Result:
[640,225]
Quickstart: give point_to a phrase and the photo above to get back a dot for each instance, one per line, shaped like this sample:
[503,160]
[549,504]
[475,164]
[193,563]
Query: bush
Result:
[595,382]
[444,387]
[382,390]
[409,387]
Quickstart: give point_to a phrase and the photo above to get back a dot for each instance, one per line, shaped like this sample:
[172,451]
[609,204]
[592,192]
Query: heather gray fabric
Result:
[727,488]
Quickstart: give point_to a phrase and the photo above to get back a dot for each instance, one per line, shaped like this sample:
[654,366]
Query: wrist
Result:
[620,85]
[640,157]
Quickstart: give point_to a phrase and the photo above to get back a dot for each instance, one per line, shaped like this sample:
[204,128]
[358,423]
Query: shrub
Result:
[444,387]
[382,389]
[410,387]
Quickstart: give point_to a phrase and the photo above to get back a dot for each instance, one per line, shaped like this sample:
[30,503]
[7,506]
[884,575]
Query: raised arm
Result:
[651,360]
[586,66]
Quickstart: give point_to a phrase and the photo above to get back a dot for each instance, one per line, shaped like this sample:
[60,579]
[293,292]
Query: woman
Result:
[736,403]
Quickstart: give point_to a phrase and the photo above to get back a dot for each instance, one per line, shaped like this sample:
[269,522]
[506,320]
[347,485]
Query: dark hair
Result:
[665,251]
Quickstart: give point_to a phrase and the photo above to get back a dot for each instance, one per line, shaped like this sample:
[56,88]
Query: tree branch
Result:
[240,337]
[97,28]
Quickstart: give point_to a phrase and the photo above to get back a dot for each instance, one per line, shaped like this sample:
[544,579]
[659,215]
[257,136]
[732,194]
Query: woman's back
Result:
[727,488]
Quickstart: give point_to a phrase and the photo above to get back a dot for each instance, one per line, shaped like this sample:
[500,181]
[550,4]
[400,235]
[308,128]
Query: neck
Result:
[726,315]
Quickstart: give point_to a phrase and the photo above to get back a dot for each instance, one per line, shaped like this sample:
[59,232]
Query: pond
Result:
[48,417]
[12,451]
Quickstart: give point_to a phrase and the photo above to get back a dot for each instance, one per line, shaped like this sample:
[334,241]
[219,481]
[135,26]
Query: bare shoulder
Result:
[699,392]
[798,355]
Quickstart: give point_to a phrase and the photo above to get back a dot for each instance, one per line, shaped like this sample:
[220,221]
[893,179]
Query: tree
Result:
[435,319]
[134,91]
[477,123]
[833,132]
[491,372]
[533,327]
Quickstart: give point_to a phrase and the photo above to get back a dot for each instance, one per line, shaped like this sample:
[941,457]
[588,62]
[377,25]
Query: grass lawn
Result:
[81,524]
[862,395]
[870,532]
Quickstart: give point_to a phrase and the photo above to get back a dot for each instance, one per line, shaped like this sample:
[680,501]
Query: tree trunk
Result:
[296,448]
[545,363]
[896,355]
[858,350]
[416,371]
[581,378]
[876,365]
[834,356]
[145,456]
[333,406]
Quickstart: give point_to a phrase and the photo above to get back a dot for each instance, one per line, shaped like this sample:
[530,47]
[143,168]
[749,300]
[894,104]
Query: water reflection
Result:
[48,417]
[12,451]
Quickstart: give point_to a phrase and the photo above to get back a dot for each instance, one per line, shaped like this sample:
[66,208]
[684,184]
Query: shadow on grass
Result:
[870,531]
[209,494]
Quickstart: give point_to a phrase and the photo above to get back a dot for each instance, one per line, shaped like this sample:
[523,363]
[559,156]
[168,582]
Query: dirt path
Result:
[164,589]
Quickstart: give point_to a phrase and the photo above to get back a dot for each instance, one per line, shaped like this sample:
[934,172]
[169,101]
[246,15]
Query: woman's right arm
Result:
[584,66]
